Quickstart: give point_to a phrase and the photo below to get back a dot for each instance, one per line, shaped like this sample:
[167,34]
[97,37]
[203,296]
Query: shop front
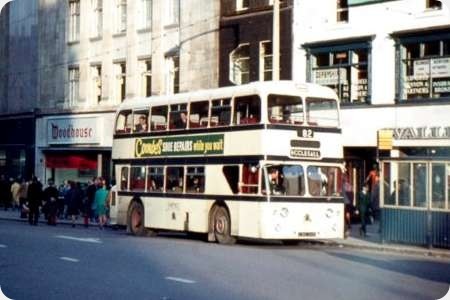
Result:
[74,147]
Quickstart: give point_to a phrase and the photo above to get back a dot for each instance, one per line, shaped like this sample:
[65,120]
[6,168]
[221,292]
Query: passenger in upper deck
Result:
[142,126]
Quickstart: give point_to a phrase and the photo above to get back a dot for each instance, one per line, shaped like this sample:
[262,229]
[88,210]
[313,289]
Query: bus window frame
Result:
[307,113]
[197,174]
[125,130]
[166,178]
[163,174]
[189,121]
[249,118]
[179,111]
[166,124]
[230,106]
[141,111]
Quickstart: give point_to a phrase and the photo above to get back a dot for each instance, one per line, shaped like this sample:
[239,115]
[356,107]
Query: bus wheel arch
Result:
[136,218]
[220,224]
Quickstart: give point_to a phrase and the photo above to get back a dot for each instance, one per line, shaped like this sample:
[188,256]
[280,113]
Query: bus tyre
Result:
[222,226]
[136,219]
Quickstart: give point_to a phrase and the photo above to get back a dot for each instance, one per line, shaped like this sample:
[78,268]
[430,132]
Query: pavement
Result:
[372,241]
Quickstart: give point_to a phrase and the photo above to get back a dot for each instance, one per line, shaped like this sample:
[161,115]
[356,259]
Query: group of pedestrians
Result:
[68,201]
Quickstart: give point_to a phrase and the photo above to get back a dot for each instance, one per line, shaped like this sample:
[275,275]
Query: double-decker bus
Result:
[261,160]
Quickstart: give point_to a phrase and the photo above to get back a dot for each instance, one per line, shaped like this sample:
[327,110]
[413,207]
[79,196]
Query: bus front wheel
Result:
[222,226]
[136,219]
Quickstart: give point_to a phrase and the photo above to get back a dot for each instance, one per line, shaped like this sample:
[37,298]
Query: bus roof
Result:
[261,87]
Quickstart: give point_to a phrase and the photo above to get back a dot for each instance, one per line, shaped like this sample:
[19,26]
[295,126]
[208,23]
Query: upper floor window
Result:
[434,4]
[97,18]
[173,12]
[240,64]
[74,20]
[146,14]
[121,81]
[265,61]
[96,72]
[146,79]
[242,4]
[74,85]
[173,74]
[342,11]
[425,68]
[121,17]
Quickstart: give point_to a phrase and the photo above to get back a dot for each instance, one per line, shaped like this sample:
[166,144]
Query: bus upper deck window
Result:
[247,110]
[140,120]
[220,112]
[198,116]
[124,122]
[322,112]
[285,109]
[159,118]
[178,116]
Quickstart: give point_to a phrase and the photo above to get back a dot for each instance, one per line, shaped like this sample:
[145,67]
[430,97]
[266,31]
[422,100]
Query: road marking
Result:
[69,259]
[3,246]
[178,279]
[86,240]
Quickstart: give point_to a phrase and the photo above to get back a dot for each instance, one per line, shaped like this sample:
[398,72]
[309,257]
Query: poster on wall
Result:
[437,67]
[332,76]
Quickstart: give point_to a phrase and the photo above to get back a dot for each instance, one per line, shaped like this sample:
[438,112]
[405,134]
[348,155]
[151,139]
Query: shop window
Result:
[175,179]
[446,47]
[124,179]
[424,72]
[438,182]
[2,158]
[159,118]
[198,115]
[140,121]
[250,174]
[178,116]
[137,178]
[345,71]
[389,186]
[285,109]
[195,180]
[404,184]
[220,112]
[247,110]
[419,186]
[240,64]
[124,122]
[324,181]
[155,179]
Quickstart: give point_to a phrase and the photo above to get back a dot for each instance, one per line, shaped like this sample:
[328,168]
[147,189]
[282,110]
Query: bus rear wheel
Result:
[136,219]
[222,226]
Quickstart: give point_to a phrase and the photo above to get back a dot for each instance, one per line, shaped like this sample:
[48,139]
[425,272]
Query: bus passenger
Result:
[142,125]
[275,182]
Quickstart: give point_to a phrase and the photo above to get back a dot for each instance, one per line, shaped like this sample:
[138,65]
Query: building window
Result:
[121,81]
[242,4]
[146,79]
[240,64]
[97,82]
[74,85]
[424,68]
[146,14]
[342,11]
[173,74]
[345,70]
[173,12]
[265,61]
[74,20]
[434,4]
[97,18]
[121,16]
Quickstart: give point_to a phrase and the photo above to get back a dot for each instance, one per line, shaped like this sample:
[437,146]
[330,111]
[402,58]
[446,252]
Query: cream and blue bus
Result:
[261,160]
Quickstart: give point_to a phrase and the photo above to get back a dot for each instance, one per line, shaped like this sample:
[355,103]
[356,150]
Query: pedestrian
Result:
[34,200]
[88,202]
[15,193]
[51,205]
[23,194]
[73,199]
[101,196]
[373,181]
[363,205]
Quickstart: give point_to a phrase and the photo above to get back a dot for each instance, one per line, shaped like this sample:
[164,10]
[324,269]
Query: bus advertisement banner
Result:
[180,145]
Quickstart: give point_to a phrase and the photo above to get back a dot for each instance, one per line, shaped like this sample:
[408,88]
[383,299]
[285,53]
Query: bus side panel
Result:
[155,212]
[302,220]
[247,219]
[119,212]
[187,214]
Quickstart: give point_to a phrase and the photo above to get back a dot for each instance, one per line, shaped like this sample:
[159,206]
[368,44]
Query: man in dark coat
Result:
[34,200]
[51,195]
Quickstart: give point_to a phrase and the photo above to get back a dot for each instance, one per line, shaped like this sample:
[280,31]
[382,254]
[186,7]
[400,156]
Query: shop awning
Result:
[71,161]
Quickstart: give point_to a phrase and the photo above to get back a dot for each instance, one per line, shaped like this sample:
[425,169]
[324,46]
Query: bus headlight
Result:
[284,212]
